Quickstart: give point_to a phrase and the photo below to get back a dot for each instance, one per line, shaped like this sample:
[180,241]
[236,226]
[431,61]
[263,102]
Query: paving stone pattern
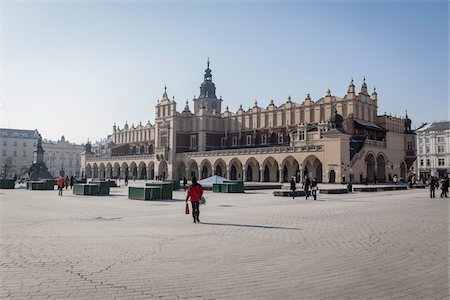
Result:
[385,245]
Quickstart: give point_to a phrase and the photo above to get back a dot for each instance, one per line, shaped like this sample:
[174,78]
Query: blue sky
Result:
[74,68]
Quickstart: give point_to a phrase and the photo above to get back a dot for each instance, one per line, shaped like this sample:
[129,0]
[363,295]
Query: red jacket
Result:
[195,192]
[60,182]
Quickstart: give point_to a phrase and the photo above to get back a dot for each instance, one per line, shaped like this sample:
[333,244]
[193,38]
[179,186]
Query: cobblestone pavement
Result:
[385,245]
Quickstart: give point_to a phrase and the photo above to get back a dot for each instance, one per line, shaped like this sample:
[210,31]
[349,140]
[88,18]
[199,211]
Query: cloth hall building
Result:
[334,139]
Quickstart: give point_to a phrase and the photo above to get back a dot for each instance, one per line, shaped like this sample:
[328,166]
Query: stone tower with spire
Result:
[207,98]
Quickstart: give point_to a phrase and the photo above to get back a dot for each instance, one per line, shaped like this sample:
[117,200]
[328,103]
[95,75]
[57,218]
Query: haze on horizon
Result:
[75,68]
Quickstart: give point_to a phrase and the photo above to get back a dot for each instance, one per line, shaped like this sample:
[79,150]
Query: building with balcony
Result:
[334,139]
[433,149]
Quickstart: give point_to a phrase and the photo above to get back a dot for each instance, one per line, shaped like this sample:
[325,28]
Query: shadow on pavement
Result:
[251,226]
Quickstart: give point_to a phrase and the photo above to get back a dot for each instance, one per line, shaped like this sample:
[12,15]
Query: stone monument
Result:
[38,169]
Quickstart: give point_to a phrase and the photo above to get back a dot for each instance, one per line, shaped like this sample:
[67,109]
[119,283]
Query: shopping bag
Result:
[186,210]
[202,200]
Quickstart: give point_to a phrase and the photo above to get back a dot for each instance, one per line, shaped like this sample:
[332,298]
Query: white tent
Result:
[208,182]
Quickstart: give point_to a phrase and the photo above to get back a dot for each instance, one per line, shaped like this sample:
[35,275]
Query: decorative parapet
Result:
[104,157]
[253,151]
[375,143]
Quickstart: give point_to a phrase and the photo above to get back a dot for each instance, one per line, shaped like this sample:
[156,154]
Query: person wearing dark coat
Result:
[306,186]
[293,187]
[314,188]
[433,182]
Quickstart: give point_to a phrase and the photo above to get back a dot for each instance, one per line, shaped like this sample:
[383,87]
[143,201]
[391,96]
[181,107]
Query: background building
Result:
[62,155]
[433,149]
[17,150]
[333,139]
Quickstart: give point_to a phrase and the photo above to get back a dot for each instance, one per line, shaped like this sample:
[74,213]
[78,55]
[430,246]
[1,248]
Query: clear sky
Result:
[74,68]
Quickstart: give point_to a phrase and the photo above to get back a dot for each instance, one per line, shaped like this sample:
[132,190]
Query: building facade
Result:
[62,157]
[334,139]
[433,149]
[16,151]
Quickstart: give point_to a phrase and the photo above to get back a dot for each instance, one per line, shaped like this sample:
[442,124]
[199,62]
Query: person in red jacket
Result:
[195,192]
[60,184]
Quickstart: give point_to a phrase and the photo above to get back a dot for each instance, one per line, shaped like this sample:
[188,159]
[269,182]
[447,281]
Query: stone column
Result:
[280,174]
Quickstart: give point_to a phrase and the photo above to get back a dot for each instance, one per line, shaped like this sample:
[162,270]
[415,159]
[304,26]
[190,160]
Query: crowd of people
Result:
[435,183]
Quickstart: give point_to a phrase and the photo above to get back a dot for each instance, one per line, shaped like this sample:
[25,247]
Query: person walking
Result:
[293,187]
[445,185]
[433,183]
[66,182]
[184,183]
[126,179]
[306,186]
[195,192]
[314,188]
[60,184]
[72,179]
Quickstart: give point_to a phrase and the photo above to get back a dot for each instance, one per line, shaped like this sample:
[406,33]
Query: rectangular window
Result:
[222,142]
[264,139]
[280,138]
[410,146]
[428,162]
[193,142]
[441,162]
[301,135]
[163,138]
[427,140]
[421,162]
[440,139]
[249,140]
[420,140]
[4,152]
[24,144]
[15,153]
[24,153]
[427,149]
[15,144]
[5,143]
[234,141]
[441,149]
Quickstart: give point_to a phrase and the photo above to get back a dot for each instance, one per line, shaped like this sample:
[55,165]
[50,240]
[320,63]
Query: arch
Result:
[117,170]
[125,170]
[291,168]
[88,171]
[133,150]
[102,171]
[142,170]
[235,167]
[206,169]
[142,149]
[163,170]
[370,167]
[109,170]
[95,171]
[403,170]
[322,114]
[220,168]
[151,170]
[313,168]
[193,169]
[381,168]
[181,170]
[252,170]
[133,170]
[270,170]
